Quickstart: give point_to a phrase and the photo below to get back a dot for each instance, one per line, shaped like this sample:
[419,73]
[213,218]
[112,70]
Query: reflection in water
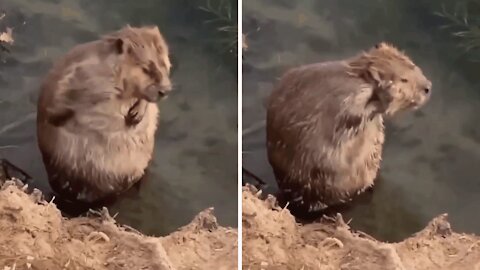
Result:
[195,157]
[431,156]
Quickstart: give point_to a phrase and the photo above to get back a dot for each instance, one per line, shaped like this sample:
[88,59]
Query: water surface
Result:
[431,157]
[195,162]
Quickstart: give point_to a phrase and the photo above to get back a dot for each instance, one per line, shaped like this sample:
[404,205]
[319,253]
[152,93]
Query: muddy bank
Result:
[273,240]
[36,236]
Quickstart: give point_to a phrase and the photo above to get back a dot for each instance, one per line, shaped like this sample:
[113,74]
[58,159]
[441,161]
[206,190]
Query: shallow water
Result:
[431,158]
[195,162]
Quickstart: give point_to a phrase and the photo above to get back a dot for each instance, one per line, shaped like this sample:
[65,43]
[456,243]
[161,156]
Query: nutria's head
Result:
[397,82]
[144,69]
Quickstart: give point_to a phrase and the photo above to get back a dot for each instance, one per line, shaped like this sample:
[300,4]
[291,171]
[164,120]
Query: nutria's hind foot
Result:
[308,214]
[304,214]
[70,205]
[69,208]
[75,208]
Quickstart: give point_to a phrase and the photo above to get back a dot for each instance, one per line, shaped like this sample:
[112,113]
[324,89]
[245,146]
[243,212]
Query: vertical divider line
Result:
[239,179]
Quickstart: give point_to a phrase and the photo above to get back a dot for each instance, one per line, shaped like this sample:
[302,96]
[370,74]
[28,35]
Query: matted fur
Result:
[325,128]
[96,118]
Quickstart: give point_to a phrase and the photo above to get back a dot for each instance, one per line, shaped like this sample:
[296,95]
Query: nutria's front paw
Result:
[136,112]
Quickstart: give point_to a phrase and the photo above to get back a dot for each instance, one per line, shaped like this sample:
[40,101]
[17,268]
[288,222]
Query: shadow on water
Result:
[195,160]
[431,157]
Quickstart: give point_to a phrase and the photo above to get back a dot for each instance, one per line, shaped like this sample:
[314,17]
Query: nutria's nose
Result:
[156,91]
[427,88]
[164,89]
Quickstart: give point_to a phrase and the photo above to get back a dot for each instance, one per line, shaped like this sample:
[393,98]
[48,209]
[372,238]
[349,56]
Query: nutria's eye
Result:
[426,90]
[404,80]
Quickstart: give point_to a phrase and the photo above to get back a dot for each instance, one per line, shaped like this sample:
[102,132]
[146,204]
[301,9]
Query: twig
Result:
[8,146]
[253,128]
[252,175]
[5,164]
[16,124]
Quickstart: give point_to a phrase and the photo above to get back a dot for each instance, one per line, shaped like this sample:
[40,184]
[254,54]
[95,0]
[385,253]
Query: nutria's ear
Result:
[154,28]
[122,46]
[119,45]
[380,45]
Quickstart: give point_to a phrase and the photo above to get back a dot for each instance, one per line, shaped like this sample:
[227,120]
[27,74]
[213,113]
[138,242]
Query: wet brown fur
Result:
[325,128]
[97,115]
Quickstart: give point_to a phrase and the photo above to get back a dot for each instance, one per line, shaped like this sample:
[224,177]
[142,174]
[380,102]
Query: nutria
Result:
[325,128]
[97,113]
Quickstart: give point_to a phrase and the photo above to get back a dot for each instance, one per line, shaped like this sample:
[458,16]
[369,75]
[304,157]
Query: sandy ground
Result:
[273,240]
[36,236]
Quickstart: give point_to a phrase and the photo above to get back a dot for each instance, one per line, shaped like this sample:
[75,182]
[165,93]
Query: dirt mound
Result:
[36,236]
[273,240]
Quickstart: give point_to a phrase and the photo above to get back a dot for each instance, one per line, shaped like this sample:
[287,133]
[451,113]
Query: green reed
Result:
[221,16]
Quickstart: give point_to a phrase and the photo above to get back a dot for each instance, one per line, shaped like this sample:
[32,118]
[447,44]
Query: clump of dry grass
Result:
[5,36]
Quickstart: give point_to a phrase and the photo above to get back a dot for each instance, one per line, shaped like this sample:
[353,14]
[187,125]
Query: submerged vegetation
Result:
[221,17]
[463,21]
